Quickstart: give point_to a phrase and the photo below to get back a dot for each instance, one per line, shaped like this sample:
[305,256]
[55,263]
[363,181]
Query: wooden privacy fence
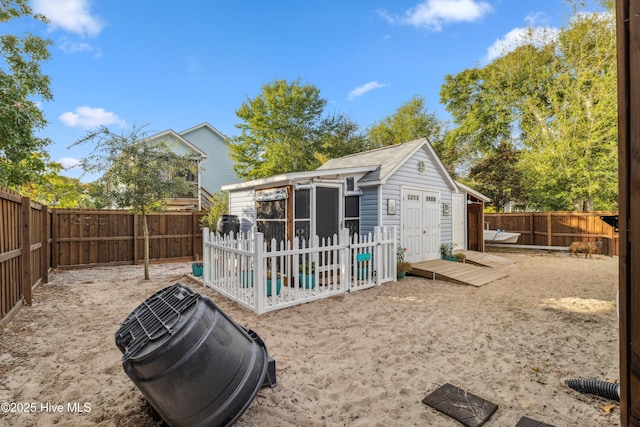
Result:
[25,251]
[557,228]
[266,276]
[90,237]
[70,238]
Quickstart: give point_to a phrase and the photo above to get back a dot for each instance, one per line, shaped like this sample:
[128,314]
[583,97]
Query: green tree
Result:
[553,98]
[339,137]
[23,85]
[572,138]
[57,190]
[138,173]
[412,121]
[97,195]
[286,129]
[219,206]
[497,176]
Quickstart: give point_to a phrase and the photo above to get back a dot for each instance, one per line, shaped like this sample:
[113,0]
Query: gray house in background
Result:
[404,185]
[216,167]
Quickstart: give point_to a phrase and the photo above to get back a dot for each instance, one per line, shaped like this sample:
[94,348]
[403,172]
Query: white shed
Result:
[404,185]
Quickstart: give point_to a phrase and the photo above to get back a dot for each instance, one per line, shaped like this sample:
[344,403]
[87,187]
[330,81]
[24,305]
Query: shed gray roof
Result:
[387,159]
[478,195]
[378,165]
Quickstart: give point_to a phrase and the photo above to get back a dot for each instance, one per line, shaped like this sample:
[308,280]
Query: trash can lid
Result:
[154,319]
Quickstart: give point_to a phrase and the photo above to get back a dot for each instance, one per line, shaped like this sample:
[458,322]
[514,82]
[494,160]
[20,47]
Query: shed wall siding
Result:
[241,204]
[369,206]
[431,179]
[217,168]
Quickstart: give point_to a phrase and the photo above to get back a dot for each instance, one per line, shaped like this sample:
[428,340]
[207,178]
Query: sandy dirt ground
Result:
[366,358]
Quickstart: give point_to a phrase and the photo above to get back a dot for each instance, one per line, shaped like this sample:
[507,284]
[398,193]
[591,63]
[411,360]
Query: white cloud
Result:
[73,16]
[69,162]
[73,47]
[69,46]
[535,19]
[364,89]
[89,117]
[432,14]
[536,36]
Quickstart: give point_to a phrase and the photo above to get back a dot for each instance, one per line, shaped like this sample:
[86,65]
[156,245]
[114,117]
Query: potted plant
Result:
[196,267]
[247,279]
[306,275]
[460,257]
[402,265]
[270,285]
[446,250]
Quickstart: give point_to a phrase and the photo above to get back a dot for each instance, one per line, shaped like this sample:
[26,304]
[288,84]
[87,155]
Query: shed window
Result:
[352,214]
[351,183]
[271,214]
[276,209]
[302,216]
[303,205]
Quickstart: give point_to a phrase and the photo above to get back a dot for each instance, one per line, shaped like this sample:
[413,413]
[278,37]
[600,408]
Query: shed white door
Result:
[421,224]
[457,217]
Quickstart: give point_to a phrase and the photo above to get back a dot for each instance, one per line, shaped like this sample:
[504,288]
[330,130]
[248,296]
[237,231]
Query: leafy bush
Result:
[219,206]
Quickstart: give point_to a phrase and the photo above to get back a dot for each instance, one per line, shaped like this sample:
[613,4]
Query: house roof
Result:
[178,137]
[293,177]
[387,160]
[208,126]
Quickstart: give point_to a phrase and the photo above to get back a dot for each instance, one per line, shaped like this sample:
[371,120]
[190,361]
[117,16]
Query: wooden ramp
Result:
[484,259]
[457,272]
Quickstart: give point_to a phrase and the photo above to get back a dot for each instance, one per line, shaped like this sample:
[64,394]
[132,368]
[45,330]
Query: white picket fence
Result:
[265,277]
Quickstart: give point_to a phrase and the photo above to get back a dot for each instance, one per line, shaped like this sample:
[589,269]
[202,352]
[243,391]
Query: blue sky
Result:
[173,65]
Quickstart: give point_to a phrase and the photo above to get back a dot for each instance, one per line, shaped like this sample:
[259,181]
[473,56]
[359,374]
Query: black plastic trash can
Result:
[192,362]
[227,224]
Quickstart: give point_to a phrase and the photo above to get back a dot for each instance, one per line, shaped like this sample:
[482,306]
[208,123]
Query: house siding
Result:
[175,145]
[217,168]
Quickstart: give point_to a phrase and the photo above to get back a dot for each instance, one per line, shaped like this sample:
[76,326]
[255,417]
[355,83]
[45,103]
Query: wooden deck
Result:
[467,273]
[484,259]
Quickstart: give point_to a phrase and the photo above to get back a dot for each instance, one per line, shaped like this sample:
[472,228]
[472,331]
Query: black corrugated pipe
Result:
[597,387]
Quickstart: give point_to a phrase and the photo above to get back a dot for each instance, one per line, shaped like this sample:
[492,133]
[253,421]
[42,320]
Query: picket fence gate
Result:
[266,276]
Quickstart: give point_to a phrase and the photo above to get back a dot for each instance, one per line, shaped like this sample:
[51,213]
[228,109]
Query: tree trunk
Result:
[577,204]
[588,204]
[145,228]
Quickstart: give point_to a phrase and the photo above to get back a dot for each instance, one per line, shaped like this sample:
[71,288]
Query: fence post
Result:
[377,254]
[135,239]
[345,260]
[25,207]
[259,280]
[533,228]
[394,255]
[44,250]
[206,255]
[194,233]
[549,229]
[55,249]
